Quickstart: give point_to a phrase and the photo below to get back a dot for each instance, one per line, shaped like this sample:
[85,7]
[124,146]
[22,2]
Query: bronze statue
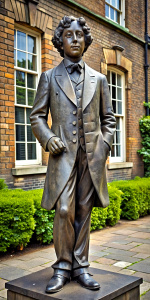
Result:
[79,141]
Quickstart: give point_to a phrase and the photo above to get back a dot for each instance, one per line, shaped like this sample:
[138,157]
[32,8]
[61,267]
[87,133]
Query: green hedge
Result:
[22,217]
[16,219]
[145,150]
[135,197]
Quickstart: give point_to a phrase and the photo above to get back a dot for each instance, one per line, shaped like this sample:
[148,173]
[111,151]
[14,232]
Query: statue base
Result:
[113,286]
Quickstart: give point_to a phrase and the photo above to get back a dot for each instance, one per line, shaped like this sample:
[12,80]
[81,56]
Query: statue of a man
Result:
[79,141]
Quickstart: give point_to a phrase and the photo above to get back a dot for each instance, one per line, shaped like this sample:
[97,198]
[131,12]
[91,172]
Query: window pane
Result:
[31,44]
[119,93]
[21,40]
[30,136]
[20,133]
[21,59]
[119,4]
[28,112]
[114,3]
[19,114]
[107,10]
[108,1]
[119,107]
[117,17]
[118,150]
[118,137]
[118,123]
[31,81]
[20,151]
[112,13]
[32,151]
[20,78]
[32,62]
[118,80]
[31,97]
[114,106]
[15,38]
[113,92]
[113,151]
[113,78]
[15,57]
[108,76]
[20,95]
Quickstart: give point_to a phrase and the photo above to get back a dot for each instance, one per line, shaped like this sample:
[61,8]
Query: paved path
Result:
[124,248]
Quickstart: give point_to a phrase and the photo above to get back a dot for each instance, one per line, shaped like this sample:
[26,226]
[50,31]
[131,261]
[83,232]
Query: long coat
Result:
[55,93]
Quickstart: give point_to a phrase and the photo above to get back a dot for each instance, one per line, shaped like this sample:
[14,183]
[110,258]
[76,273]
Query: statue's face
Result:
[73,42]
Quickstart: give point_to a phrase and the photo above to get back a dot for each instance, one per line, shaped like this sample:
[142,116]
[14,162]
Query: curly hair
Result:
[66,23]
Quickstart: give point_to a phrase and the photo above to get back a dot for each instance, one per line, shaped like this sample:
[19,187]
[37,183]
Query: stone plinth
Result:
[113,286]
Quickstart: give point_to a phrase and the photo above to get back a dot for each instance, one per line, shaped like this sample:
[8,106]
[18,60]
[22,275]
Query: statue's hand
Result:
[55,145]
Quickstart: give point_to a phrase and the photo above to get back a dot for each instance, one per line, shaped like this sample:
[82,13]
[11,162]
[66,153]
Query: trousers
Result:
[71,230]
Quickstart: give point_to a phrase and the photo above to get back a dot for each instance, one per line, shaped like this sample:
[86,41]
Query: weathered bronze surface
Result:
[79,140]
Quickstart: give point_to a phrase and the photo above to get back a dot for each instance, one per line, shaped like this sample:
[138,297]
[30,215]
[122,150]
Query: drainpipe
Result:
[146,66]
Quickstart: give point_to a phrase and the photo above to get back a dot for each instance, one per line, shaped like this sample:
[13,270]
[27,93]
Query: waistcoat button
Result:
[74,141]
[74,123]
[74,132]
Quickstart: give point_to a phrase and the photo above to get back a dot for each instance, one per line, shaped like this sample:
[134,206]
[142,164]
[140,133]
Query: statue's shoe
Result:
[56,283]
[85,280]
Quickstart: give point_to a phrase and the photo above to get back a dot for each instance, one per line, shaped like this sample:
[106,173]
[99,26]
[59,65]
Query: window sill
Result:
[119,165]
[29,170]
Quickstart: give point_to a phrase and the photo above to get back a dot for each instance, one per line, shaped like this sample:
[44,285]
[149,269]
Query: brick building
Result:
[26,50]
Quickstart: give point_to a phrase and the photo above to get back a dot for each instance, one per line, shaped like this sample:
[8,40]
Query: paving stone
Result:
[123,257]
[137,240]
[144,248]
[145,286]
[3,294]
[36,269]
[125,232]
[145,276]
[120,246]
[106,261]
[10,273]
[48,264]
[141,266]
[49,256]
[146,296]
[105,267]
[139,228]
[122,264]
[141,255]
[2,284]
[2,298]
[143,235]
[93,258]
[119,251]
[127,272]
[98,253]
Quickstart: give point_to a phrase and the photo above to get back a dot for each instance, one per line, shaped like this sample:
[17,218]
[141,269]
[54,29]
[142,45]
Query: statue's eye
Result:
[80,34]
[68,34]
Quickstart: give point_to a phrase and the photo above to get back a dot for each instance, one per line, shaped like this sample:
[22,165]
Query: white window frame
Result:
[37,35]
[122,12]
[121,158]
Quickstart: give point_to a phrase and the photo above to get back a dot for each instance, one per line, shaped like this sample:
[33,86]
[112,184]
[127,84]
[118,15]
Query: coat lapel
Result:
[90,82]
[64,82]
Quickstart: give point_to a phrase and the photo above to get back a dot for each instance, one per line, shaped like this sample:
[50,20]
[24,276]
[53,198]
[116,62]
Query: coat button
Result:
[74,132]
[74,141]
[74,123]
[74,112]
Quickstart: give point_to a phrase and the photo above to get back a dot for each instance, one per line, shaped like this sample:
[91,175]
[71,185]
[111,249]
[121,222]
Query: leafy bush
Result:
[44,219]
[114,210]
[135,197]
[3,185]
[145,151]
[98,218]
[16,219]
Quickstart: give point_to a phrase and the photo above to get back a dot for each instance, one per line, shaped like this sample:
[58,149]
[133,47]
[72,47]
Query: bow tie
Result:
[75,67]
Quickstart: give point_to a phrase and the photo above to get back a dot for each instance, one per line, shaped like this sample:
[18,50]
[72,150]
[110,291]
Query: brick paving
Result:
[124,248]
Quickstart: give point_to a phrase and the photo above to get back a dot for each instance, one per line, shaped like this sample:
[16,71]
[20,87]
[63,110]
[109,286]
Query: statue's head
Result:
[72,37]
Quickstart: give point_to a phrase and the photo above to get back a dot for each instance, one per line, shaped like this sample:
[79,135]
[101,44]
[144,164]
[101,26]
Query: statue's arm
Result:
[108,121]
[39,114]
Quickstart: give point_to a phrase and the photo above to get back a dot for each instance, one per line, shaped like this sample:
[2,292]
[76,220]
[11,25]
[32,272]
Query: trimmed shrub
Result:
[16,219]
[44,219]
[145,151]
[135,197]
[114,210]
[98,218]
[3,185]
